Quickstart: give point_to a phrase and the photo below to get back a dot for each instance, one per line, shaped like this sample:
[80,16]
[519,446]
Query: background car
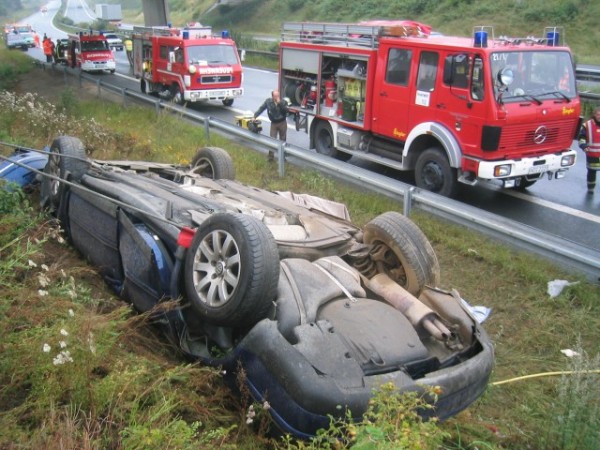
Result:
[16,40]
[314,311]
[114,41]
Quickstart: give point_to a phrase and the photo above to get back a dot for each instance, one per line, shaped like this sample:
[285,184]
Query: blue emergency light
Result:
[186,34]
[480,38]
[553,38]
[225,34]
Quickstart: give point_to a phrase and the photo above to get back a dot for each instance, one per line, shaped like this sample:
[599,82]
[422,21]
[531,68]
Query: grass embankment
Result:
[80,370]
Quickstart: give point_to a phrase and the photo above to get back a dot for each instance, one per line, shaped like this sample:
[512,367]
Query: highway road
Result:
[561,207]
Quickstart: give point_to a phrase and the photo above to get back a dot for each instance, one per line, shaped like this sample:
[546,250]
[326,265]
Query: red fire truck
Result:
[187,65]
[90,52]
[451,109]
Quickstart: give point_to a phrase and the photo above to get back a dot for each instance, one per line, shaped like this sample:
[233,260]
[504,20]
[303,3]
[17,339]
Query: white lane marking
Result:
[555,206]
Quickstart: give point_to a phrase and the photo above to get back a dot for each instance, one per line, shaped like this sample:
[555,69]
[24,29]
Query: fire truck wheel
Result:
[433,173]
[324,142]
[402,251]
[228,102]
[176,95]
[213,162]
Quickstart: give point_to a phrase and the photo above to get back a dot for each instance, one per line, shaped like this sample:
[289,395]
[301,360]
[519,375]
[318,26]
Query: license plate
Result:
[538,169]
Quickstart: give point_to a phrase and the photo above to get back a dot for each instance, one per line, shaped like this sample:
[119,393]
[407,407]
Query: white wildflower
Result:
[64,332]
[31,263]
[62,357]
[46,348]
[42,293]
[71,313]
[62,344]
[249,421]
[266,405]
[91,343]
[44,267]
[43,279]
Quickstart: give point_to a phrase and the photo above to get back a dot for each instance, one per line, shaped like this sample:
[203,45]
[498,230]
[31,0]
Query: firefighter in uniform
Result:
[589,142]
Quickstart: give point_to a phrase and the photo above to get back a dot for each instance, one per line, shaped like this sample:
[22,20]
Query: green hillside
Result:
[517,18]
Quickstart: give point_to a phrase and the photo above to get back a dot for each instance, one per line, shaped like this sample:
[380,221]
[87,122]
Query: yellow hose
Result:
[545,374]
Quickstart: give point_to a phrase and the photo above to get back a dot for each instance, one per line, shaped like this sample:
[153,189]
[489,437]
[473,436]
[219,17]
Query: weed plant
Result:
[120,386]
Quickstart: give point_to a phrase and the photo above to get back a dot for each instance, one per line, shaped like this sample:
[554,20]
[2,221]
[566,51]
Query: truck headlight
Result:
[192,69]
[502,170]
[567,160]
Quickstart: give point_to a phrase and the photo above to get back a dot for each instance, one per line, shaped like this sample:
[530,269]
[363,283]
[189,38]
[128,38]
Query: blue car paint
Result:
[17,168]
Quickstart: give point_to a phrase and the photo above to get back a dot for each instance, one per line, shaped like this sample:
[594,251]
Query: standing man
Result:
[277,110]
[589,142]
[129,50]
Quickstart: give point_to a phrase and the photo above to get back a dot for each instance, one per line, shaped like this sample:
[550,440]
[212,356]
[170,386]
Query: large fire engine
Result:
[187,65]
[450,109]
[90,52]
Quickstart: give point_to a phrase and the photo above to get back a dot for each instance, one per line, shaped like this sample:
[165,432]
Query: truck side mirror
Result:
[171,57]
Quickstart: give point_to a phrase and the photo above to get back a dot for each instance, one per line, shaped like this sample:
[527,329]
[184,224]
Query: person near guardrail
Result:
[48,46]
[129,50]
[589,142]
[277,110]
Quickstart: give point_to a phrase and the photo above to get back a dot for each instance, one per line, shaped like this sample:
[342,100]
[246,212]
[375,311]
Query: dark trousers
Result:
[279,129]
[593,165]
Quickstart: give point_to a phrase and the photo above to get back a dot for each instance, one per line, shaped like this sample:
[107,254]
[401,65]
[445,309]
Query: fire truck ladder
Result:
[344,34]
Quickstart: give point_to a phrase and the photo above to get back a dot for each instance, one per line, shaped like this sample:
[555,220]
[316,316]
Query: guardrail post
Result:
[80,76]
[157,107]
[123,93]
[98,85]
[207,129]
[281,159]
[408,192]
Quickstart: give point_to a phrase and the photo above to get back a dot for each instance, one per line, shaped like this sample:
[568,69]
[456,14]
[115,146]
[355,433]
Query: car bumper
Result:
[212,94]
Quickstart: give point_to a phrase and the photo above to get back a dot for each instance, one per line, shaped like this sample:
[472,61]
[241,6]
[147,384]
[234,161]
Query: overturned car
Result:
[316,311]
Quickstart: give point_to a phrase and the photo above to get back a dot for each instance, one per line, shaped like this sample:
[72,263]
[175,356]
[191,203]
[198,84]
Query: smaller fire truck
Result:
[187,65]
[449,109]
[90,52]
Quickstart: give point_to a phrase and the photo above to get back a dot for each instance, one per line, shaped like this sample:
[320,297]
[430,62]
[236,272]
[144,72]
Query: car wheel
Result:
[433,173]
[402,251]
[176,95]
[67,158]
[228,102]
[232,270]
[213,162]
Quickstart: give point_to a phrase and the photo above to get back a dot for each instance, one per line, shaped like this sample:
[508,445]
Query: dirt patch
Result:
[51,82]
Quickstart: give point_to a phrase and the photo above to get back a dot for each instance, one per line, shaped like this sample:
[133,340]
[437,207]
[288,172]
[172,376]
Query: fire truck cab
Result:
[451,109]
[187,65]
[90,52]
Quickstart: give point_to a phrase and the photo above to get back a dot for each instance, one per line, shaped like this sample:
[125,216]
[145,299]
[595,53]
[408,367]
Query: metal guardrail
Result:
[567,254]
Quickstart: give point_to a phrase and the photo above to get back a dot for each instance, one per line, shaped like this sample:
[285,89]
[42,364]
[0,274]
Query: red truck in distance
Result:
[187,65]
[450,109]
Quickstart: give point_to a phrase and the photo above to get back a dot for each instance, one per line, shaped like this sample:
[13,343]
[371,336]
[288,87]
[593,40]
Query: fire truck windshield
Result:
[91,46]
[533,75]
[212,54]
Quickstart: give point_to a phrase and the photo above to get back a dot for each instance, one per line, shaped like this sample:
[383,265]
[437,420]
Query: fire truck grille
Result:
[215,79]
[537,137]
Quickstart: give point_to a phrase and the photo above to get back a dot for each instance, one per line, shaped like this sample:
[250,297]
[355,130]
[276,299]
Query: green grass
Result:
[133,391]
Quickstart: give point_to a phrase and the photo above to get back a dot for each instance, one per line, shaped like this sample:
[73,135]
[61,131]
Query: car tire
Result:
[402,251]
[433,173]
[231,270]
[67,158]
[213,162]
[228,102]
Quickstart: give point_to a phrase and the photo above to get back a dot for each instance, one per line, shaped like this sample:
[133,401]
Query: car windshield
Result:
[212,54]
[533,75]
[111,36]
